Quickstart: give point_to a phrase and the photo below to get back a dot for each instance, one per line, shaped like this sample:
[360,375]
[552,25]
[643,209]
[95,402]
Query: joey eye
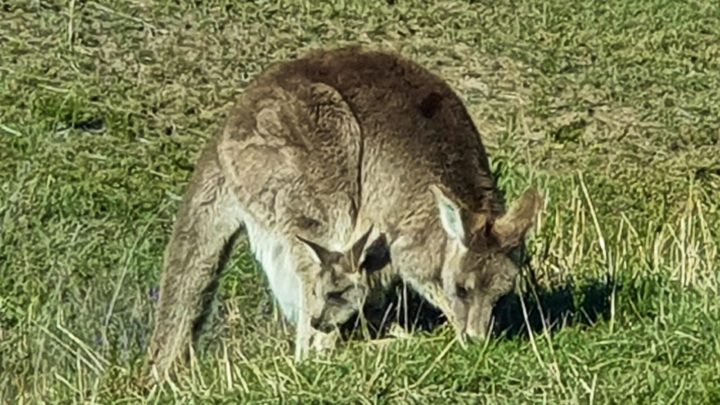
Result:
[461,292]
[333,296]
[336,296]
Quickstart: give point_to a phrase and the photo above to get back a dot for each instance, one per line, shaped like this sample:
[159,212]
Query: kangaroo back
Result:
[415,130]
[292,149]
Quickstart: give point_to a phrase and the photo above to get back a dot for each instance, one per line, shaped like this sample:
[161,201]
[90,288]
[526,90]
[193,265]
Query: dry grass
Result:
[611,108]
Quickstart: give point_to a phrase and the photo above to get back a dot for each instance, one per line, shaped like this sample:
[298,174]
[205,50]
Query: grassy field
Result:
[611,107]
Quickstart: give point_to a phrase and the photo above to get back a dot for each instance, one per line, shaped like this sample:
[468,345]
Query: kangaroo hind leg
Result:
[203,236]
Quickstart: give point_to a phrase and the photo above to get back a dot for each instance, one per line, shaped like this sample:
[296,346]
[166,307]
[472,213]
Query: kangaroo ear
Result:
[450,214]
[319,254]
[376,255]
[510,229]
[458,222]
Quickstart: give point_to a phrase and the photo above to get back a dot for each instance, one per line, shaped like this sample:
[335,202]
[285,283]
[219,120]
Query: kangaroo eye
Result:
[461,292]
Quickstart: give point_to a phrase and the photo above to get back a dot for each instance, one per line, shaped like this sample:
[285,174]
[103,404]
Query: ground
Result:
[611,108]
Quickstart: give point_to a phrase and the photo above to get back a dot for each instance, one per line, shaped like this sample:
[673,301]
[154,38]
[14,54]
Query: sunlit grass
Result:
[611,108]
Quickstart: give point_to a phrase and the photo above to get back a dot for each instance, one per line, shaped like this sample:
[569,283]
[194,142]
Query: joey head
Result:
[338,289]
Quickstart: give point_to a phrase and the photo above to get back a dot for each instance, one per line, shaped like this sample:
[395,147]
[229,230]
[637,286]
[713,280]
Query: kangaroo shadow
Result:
[549,309]
[537,309]
[402,306]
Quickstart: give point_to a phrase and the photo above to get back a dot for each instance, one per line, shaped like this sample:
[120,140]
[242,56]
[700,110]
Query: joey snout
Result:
[318,323]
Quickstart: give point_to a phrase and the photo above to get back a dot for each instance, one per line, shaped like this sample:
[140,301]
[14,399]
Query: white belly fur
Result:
[272,251]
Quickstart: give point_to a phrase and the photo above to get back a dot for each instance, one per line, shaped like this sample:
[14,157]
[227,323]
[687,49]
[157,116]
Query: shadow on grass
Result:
[538,309]
[551,309]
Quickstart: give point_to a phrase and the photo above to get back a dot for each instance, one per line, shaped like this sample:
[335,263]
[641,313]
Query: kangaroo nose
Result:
[479,330]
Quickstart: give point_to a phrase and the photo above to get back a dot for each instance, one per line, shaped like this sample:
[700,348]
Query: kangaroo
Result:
[426,182]
[285,167]
[329,145]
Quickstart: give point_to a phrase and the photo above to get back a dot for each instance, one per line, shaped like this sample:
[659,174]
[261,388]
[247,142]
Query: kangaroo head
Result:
[341,286]
[477,269]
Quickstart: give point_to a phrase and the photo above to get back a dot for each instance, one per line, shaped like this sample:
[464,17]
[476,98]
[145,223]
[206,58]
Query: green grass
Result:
[611,107]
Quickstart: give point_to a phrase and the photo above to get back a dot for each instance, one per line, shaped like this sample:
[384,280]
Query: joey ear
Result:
[356,251]
[450,214]
[510,229]
[319,254]
[376,255]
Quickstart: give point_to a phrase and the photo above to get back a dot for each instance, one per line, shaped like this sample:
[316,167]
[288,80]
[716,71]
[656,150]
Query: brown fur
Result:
[379,141]
[286,163]
[417,134]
